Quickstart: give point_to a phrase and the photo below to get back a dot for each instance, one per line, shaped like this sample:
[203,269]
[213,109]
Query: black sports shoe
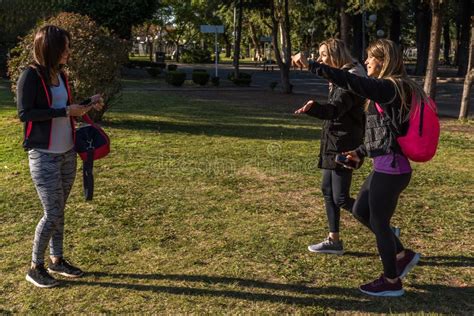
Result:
[40,277]
[64,268]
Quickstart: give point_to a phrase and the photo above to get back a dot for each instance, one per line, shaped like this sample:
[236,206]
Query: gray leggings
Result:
[53,176]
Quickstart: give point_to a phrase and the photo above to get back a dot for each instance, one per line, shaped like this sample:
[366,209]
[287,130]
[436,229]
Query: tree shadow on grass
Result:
[218,129]
[449,261]
[448,299]
[359,254]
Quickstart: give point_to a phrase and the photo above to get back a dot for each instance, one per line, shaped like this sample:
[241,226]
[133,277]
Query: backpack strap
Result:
[379,108]
[422,112]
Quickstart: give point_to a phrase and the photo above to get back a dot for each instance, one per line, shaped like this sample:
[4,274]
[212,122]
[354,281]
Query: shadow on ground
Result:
[451,299]
[218,129]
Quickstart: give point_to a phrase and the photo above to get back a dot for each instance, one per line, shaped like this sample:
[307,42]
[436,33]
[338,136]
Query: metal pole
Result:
[217,56]
[233,34]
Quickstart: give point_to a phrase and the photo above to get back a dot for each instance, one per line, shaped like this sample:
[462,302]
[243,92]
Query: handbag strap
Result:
[87,119]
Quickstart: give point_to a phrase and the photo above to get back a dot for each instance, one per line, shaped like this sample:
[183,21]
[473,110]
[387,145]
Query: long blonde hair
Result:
[393,69]
[338,53]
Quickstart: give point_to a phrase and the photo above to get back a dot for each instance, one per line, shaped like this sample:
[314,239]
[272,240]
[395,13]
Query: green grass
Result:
[208,207]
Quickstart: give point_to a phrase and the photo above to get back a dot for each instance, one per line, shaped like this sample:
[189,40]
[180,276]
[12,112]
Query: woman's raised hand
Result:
[300,60]
[305,108]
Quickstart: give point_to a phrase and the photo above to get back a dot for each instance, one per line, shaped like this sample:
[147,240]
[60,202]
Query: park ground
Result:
[207,203]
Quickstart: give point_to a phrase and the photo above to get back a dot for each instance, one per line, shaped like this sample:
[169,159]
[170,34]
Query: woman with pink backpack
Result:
[393,100]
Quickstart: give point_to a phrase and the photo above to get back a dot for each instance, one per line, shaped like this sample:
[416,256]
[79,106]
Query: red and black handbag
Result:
[91,143]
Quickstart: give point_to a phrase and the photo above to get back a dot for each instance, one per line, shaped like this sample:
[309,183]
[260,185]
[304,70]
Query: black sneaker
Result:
[381,287]
[40,277]
[64,268]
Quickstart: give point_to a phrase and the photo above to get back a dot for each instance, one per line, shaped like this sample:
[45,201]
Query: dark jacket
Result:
[343,127]
[381,131]
[34,108]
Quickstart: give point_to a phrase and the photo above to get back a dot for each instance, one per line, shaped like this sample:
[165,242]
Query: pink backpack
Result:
[421,140]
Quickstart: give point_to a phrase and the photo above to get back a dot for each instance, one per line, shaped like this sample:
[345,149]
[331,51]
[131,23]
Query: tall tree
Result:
[118,16]
[395,22]
[280,18]
[239,7]
[446,42]
[357,37]
[435,41]
[17,18]
[345,23]
[423,23]
[466,93]
[464,20]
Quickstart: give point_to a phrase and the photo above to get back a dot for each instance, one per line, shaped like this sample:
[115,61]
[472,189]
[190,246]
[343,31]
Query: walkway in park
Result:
[306,85]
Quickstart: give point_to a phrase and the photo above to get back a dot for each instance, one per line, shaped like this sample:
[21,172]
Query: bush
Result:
[175,78]
[200,77]
[153,71]
[144,64]
[95,61]
[215,81]
[244,78]
[196,56]
[172,67]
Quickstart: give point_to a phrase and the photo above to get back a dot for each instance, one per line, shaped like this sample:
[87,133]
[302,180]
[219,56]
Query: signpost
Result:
[267,43]
[213,29]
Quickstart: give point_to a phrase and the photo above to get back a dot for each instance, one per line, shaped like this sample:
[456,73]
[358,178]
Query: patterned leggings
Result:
[53,176]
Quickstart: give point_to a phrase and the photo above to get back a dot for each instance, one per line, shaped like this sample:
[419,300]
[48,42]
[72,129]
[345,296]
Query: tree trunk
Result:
[465,7]
[466,93]
[357,37]
[282,56]
[435,40]
[255,42]
[228,45]
[345,24]
[395,25]
[447,42]
[177,51]
[458,39]
[149,41]
[238,35]
[423,22]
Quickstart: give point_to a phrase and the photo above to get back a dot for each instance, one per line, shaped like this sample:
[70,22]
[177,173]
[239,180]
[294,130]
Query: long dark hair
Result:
[48,47]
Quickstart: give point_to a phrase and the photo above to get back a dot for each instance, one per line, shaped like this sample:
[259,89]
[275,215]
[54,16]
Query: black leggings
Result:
[374,208]
[336,186]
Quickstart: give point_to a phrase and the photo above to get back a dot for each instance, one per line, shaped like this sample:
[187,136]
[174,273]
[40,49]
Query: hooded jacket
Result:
[343,127]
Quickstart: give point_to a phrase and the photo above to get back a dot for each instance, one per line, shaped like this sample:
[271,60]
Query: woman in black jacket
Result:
[44,105]
[343,130]
[389,90]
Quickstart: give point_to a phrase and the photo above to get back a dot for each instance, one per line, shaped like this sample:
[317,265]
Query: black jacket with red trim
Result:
[34,108]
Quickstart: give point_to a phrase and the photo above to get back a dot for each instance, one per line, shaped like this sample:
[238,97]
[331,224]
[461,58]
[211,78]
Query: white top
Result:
[61,130]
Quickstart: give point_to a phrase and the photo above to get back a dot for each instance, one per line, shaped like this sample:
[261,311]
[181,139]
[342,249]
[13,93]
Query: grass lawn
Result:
[208,206]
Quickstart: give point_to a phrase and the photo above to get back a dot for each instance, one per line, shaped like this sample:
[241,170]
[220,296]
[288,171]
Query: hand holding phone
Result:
[91,100]
[87,102]
[346,162]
